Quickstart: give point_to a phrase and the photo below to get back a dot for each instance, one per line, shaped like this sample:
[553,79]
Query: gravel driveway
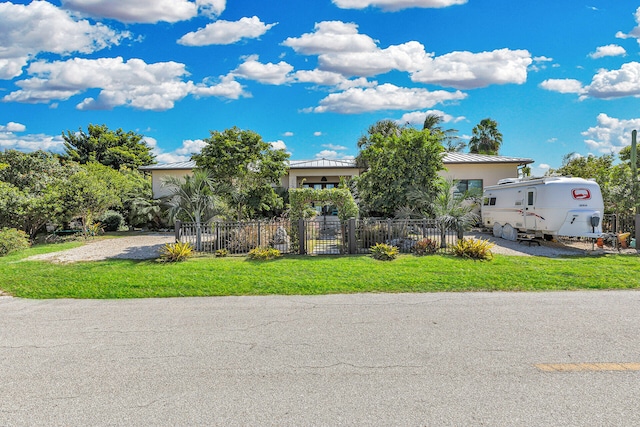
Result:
[146,246]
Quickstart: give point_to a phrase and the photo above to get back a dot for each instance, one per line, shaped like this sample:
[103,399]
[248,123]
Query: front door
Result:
[530,209]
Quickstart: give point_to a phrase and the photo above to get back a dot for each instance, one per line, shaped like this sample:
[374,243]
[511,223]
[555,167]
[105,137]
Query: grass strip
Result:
[305,275]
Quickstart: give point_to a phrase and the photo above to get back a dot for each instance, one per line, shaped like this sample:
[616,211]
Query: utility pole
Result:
[634,179]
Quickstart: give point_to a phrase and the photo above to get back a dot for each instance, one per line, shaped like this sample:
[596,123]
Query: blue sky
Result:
[311,76]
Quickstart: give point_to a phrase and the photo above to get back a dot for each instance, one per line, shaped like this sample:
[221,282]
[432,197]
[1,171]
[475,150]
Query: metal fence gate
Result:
[325,235]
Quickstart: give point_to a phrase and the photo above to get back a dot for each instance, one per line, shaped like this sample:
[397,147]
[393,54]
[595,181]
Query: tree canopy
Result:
[38,188]
[397,160]
[116,149]
[245,170]
[486,138]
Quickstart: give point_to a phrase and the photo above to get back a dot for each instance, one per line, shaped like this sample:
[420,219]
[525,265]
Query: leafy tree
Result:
[585,167]
[89,192]
[116,149]
[384,128]
[396,163]
[29,189]
[34,171]
[486,138]
[451,141]
[245,170]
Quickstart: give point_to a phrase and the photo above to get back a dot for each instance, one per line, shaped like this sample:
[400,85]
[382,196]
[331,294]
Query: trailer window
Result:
[530,198]
[489,201]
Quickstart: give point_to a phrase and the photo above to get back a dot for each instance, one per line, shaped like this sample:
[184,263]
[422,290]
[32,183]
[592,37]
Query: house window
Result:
[319,186]
[471,186]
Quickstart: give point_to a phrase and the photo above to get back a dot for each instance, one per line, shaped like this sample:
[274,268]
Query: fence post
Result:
[259,240]
[351,230]
[178,226]
[302,239]
[637,231]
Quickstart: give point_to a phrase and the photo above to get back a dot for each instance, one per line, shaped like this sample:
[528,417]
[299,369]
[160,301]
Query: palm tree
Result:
[193,198]
[451,141]
[486,138]
[450,208]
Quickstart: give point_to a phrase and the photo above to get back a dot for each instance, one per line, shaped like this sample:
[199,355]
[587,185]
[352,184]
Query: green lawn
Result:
[296,275]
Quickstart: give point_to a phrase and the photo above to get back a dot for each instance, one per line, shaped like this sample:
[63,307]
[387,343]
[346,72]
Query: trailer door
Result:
[530,209]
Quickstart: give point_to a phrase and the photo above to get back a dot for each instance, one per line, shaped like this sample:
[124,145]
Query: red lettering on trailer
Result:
[581,193]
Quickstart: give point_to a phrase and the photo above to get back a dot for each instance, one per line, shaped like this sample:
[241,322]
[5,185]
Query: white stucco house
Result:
[471,170]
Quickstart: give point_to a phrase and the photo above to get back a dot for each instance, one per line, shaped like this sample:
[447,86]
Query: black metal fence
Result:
[235,237]
[321,236]
[614,224]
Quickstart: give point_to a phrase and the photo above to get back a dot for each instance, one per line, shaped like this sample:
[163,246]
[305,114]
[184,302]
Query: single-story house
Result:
[473,171]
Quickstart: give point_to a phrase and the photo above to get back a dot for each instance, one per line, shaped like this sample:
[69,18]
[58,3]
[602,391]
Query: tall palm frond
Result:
[192,197]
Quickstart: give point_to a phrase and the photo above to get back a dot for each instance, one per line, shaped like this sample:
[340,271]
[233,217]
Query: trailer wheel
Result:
[497,230]
[509,233]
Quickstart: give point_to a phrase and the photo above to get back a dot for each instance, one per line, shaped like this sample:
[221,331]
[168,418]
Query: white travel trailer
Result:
[544,207]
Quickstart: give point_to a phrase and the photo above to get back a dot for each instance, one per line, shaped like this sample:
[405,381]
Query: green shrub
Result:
[222,253]
[175,252]
[111,220]
[12,240]
[384,252]
[425,247]
[474,249]
[264,253]
[92,230]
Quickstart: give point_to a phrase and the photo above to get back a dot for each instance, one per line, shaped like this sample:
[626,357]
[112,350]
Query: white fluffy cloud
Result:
[467,70]
[562,85]
[342,49]
[329,78]
[396,4]
[182,154]
[13,127]
[132,83]
[610,134]
[32,142]
[333,155]
[278,145]
[606,84]
[417,117]
[145,11]
[608,50]
[269,73]
[332,37]
[616,83]
[635,33]
[28,30]
[226,32]
[384,97]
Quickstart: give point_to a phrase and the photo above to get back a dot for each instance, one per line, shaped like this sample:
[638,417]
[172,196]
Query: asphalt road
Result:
[374,359]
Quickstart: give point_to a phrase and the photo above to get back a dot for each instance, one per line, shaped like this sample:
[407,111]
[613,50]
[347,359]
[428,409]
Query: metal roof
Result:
[322,163]
[455,157]
[449,158]
[190,164]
